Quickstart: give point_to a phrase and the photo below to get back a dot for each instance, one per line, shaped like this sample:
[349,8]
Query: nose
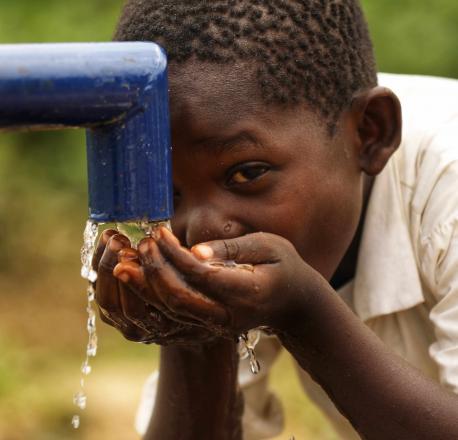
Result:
[206,223]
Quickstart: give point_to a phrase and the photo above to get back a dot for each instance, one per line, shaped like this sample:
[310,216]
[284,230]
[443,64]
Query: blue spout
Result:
[119,93]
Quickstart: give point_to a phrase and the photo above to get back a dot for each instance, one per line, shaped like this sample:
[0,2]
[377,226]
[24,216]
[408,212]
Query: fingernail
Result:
[202,251]
[115,244]
[123,276]
[168,235]
[127,254]
[107,234]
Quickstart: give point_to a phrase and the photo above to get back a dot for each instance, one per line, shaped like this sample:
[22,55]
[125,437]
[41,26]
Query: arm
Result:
[197,396]
[381,395]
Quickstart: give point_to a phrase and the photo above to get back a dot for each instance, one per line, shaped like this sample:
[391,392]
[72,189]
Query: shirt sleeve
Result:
[263,414]
[439,265]
[444,314]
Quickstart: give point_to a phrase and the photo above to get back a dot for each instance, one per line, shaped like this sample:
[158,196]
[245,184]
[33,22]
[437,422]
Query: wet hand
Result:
[187,285]
[121,306]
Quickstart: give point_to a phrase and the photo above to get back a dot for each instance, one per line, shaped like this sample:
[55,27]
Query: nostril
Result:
[201,226]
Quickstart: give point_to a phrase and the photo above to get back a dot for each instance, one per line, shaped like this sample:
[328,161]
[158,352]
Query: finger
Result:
[132,274]
[130,331]
[173,291]
[222,284]
[128,269]
[105,317]
[184,260]
[128,254]
[257,248]
[143,315]
[104,237]
[180,257]
[107,295]
[114,246]
[113,319]
[134,307]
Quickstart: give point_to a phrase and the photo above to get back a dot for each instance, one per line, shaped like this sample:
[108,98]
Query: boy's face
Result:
[241,166]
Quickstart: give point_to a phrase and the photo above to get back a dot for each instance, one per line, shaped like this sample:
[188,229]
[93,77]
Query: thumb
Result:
[257,248]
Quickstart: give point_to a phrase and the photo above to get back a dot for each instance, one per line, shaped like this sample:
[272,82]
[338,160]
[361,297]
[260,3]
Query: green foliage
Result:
[40,21]
[415,36]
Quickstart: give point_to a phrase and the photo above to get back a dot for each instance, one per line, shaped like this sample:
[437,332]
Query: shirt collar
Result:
[387,279]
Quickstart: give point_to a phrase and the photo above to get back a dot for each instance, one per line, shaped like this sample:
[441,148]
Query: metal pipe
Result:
[119,93]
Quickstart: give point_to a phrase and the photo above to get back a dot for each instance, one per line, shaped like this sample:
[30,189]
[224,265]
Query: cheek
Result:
[322,224]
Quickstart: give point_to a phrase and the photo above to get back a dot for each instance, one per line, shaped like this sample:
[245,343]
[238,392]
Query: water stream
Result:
[247,344]
[89,274]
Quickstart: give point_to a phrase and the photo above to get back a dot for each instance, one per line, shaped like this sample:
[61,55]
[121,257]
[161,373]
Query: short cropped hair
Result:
[313,51]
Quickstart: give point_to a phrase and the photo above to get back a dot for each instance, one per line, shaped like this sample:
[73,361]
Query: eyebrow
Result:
[219,145]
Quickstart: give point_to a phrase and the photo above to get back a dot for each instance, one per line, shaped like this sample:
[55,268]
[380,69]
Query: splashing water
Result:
[135,231]
[76,421]
[87,251]
[88,273]
[247,343]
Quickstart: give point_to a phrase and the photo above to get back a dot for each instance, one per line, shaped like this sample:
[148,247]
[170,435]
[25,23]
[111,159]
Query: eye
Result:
[247,172]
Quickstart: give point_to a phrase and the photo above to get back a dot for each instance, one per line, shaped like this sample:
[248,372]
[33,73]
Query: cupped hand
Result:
[121,305]
[264,288]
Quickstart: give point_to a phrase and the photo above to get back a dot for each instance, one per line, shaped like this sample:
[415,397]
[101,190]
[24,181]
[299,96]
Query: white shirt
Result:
[406,283]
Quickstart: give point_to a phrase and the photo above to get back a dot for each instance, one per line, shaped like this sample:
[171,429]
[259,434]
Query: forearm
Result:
[197,396]
[381,395]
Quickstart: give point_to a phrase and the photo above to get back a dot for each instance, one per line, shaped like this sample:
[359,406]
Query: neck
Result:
[347,266]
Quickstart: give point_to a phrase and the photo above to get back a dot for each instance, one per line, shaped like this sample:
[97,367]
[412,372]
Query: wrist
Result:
[202,361]
[303,304]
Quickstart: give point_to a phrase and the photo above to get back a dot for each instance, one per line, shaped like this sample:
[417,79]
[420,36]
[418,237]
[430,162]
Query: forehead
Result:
[207,99]
[210,91]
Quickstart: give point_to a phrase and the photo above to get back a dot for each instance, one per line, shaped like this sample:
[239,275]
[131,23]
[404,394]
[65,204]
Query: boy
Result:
[284,159]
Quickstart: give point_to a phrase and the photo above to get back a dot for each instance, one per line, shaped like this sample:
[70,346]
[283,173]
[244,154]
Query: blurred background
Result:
[43,209]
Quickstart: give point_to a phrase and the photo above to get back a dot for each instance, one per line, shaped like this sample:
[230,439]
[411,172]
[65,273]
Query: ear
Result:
[378,118]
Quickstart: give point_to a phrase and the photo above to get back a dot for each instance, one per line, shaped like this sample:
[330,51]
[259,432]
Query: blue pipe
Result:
[119,93]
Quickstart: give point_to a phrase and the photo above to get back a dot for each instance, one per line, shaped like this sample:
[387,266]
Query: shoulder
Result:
[426,101]
[428,154]
[426,165]
[429,114]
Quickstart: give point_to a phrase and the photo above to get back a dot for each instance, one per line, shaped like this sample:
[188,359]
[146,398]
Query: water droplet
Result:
[91,323]
[92,276]
[90,293]
[92,345]
[247,344]
[228,227]
[76,421]
[86,368]
[254,364]
[80,399]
